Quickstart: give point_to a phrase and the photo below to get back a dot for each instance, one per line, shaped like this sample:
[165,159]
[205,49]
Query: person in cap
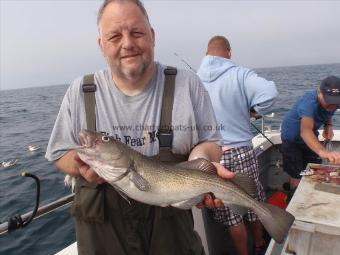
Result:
[299,131]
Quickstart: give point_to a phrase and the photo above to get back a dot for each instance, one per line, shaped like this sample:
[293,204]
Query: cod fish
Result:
[179,185]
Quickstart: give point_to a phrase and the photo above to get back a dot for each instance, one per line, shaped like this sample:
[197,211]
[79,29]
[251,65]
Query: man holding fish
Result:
[129,93]
[129,96]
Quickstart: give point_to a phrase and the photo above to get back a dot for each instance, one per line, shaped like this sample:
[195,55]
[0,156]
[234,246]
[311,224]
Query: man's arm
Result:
[308,136]
[67,164]
[213,153]
[260,92]
[71,164]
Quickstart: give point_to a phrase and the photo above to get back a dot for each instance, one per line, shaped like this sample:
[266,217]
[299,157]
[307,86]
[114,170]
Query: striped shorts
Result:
[240,160]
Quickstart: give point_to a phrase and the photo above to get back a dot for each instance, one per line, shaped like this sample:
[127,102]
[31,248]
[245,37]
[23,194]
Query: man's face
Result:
[324,104]
[126,40]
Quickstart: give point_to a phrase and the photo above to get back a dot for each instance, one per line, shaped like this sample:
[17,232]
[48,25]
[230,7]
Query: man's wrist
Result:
[321,151]
[199,157]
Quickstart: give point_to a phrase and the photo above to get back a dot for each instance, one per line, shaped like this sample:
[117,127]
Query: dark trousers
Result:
[296,157]
[107,224]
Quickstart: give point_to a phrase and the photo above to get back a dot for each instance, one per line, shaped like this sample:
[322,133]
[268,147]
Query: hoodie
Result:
[234,91]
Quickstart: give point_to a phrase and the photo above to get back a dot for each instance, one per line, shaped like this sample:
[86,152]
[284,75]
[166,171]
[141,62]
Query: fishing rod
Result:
[19,221]
[186,63]
[276,147]
[262,133]
[256,117]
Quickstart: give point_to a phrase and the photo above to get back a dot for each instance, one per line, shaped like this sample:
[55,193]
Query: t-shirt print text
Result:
[148,138]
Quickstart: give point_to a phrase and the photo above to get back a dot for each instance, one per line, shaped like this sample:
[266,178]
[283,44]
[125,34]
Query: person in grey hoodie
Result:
[237,93]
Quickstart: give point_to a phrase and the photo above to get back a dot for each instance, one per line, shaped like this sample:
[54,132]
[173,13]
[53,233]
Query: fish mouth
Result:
[86,140]
[87,144]
[86,147]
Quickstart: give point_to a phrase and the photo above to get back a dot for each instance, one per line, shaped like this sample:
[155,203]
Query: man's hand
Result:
[253,115]
[332,156]
[209,199]
[223,172]
[86,172]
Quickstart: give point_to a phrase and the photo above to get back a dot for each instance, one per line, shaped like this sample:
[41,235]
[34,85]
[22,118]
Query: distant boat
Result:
[33,148]
[9,163]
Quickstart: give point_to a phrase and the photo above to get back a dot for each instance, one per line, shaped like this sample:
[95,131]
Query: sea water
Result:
[27,117]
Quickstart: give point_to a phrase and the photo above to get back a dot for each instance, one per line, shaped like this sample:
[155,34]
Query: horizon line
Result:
[255,68]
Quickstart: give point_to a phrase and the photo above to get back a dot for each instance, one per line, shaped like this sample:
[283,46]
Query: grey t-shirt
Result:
[134,120]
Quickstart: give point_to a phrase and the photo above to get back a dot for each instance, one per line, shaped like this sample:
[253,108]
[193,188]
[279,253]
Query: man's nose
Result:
[127,42]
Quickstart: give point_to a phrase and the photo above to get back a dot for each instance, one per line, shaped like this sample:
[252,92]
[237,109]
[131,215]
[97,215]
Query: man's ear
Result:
[153,36]
[100,44]
[229,54]
[319,94]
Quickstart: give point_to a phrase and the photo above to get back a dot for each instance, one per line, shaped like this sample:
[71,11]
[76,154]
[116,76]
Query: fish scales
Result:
[193,180]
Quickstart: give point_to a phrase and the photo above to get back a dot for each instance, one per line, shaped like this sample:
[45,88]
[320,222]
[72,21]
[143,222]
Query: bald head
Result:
[219,46]
[138,3]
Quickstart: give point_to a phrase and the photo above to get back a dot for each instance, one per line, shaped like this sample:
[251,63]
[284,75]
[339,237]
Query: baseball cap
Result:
[330,89]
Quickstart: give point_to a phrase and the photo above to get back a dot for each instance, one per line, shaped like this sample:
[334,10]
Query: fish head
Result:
[102,152]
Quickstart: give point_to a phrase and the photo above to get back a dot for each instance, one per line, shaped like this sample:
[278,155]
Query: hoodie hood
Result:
[213,67]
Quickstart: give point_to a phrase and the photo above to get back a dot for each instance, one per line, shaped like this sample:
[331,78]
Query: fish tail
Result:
[275,220]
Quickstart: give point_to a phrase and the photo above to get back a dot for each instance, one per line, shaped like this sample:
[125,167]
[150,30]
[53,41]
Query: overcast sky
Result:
[52,42]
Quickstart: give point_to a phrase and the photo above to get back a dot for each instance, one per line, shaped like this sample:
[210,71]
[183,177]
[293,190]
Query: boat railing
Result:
[263,118]
[43,210]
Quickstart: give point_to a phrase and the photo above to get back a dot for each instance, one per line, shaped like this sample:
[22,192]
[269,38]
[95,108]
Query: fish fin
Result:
[245,183]
[189,203]
[238,209]
[275,220]
[122,194]
[139,181]
[199,164]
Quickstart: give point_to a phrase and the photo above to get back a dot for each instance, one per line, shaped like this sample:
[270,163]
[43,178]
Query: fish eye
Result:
[105,139]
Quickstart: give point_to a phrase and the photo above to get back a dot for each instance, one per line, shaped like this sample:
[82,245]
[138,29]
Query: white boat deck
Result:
[70,250]
[317,207]
[316,229]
